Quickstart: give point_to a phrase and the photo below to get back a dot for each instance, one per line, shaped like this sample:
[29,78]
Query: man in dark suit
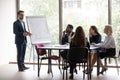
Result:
[20,40]
[66,38]
[67,34]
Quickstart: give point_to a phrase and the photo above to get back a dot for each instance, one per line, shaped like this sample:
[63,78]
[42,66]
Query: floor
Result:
[10,72]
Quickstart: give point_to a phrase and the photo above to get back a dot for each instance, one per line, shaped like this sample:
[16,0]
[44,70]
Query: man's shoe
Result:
[21,70]
[71,76]
[25,68]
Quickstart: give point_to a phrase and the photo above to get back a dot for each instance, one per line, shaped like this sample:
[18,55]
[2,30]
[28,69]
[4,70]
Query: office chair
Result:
[116,62]
[42,55]
[79,55]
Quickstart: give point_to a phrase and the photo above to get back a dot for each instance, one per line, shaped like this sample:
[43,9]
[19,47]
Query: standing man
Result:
[20,40]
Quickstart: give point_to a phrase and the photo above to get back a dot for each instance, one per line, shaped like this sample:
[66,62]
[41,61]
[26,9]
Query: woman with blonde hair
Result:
[108,44]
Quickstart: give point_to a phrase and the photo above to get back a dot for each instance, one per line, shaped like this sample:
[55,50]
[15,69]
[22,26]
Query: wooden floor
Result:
[10,72]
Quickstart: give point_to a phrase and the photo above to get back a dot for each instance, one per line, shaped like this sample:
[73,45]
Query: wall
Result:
[7,17]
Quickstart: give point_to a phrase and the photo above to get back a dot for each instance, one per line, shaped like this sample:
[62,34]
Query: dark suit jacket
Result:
[65,38]
[18,31]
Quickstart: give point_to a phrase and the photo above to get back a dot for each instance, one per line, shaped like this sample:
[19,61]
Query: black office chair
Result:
[79,55]
[115,58]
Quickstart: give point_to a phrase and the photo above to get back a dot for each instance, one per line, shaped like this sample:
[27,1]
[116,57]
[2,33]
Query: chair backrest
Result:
[40,52]
[78,54]
[119,53]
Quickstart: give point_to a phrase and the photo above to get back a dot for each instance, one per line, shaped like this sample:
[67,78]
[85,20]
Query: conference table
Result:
[51,47]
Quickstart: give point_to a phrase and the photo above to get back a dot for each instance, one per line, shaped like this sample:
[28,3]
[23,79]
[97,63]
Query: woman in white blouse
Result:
[108,44]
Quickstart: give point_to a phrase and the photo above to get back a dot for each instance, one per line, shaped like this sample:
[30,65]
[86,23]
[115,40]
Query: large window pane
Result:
[85,13]
[116,21]
[75,12]
[49,8]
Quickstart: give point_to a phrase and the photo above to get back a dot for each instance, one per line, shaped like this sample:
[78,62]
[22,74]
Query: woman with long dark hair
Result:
[78,40]
[94,35]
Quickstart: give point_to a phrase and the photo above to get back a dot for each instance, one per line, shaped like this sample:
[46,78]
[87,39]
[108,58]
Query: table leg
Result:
[66,65]
[38,66]
[98,63]
[89,64]
[63,64]
[49,62]
[59,60]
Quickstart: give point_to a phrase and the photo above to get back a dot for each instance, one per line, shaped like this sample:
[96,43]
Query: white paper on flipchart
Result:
[37,25]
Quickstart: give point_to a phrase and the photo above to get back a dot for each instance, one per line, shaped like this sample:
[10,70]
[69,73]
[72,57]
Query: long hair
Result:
[95,29]
[79,37]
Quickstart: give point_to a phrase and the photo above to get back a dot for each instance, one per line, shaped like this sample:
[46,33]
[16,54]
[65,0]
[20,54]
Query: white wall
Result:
[7,17]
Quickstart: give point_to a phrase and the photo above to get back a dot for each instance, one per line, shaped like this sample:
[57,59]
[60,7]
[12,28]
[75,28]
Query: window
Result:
[76,12]
[72,3]
[49,8]
[91,12]
[116,21]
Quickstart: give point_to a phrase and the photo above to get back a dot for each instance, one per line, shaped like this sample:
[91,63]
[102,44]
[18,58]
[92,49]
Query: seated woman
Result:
[94,36]
[108,44]
[78,40]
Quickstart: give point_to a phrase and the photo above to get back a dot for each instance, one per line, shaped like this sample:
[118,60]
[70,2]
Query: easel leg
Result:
[32,53]
[33,57]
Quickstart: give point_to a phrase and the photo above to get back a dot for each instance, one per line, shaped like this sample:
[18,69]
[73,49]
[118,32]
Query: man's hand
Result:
[64,32]
[27,34]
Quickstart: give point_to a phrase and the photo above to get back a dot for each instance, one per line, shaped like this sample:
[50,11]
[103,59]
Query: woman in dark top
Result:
[78,40]
[95,37]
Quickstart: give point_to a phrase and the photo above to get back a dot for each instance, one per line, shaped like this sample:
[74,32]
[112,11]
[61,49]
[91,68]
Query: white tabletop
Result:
[93,47]
[55,47]
[60,47]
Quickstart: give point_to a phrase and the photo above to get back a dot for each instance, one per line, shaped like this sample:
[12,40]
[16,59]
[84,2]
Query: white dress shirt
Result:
[69,37]
[109,42]
[22,23]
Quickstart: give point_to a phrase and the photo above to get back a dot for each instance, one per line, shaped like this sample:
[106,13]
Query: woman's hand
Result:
[93,43]
[90,34]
